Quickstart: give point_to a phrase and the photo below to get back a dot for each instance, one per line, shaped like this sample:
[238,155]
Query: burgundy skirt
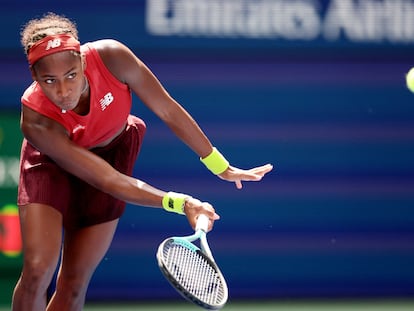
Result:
[43,181]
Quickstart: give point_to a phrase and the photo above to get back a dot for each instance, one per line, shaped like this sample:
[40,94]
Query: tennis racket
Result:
[191,270]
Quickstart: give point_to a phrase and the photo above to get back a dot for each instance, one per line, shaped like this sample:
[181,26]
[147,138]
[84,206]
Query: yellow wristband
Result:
[215,162]
[174,202]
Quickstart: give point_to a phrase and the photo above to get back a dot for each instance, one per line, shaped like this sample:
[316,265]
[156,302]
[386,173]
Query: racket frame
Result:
[204,251]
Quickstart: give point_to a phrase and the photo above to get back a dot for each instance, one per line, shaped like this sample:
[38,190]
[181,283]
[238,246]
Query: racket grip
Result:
[202,223]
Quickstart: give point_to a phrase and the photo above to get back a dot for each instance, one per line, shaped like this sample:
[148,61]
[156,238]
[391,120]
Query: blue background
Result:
[336,216]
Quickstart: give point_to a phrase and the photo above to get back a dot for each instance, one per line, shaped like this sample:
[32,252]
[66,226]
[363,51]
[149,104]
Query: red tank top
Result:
[110,104]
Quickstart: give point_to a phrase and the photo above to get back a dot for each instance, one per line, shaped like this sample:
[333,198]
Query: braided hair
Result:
[49,24]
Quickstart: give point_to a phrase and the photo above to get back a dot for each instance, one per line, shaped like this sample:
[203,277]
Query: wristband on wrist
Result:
[174,202]
[215,162]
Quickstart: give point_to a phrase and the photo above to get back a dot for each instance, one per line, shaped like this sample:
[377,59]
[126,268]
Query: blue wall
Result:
[335,218]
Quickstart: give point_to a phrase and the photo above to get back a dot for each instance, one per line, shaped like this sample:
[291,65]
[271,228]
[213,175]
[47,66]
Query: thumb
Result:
[238,184]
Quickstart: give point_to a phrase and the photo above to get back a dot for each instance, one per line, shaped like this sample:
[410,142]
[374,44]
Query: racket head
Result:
[193,274]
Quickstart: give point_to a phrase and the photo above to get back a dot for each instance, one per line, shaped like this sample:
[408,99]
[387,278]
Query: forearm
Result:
[187,129]
[101,175]
[135,191]
[138,192]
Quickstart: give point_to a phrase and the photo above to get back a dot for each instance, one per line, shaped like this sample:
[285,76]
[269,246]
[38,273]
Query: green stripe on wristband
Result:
[174,202]
[215,162]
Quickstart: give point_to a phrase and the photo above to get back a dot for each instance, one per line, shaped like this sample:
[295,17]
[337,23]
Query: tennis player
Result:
[80,145]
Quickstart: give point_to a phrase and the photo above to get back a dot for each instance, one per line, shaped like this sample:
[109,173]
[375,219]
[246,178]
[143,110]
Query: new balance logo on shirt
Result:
[106,100]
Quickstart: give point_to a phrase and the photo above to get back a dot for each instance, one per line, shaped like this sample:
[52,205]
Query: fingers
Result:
[238,184]
[210,225]
[209,211]
[256,173]
[211,221]
[195,207]
[262,170]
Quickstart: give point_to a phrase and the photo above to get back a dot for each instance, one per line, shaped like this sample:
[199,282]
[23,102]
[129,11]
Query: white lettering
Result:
[51,44]
[9,172]
[233,18]
[370,21]
[157,17]
[352,20]
[300,21]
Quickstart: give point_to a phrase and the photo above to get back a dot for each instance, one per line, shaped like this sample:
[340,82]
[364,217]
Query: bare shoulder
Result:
[116,56]
[32,120]
[41,131]
[108,45]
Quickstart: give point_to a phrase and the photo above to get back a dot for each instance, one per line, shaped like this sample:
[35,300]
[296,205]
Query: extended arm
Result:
[132,71]
[50,138]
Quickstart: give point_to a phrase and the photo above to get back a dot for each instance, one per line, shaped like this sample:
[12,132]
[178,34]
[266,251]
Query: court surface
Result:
[323,305]
[334,305]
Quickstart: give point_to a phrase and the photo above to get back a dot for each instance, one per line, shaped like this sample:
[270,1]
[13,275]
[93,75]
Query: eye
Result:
[49,81]
[72,75]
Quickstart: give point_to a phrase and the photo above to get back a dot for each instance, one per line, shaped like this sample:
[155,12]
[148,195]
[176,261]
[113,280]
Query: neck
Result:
[83,105]
[85,88]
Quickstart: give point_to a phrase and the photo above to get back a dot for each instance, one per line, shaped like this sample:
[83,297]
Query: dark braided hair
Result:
[49,24]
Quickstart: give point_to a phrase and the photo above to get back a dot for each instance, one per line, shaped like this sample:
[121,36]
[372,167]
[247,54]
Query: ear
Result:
[83,60]
[33,73]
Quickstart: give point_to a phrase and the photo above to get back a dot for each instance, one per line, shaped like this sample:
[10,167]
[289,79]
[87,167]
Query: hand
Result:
[194,207]
[238,175]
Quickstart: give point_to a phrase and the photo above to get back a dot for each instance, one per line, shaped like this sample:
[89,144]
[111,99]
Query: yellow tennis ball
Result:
[409,79]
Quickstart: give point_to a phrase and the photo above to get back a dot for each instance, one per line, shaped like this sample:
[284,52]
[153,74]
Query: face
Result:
[61,77]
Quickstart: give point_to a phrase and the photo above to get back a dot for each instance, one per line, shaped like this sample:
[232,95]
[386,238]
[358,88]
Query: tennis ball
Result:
[409,79]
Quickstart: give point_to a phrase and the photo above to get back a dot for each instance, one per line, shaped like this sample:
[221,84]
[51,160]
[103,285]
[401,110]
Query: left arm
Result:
[131,70]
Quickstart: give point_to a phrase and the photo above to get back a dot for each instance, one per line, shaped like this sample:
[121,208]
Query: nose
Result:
[63,90]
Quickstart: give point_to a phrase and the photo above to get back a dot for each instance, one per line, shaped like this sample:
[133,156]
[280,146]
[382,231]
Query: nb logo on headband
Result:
[51,44]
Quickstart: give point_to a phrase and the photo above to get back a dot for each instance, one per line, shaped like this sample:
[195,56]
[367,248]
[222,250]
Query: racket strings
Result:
[194,273]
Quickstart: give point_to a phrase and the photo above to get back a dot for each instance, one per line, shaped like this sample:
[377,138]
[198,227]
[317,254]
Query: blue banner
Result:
[229,24]
[315,87]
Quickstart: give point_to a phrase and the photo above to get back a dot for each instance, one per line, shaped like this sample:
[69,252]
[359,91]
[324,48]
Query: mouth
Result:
[67,105]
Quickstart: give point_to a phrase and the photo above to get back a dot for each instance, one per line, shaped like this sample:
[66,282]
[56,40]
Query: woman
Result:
[78,153]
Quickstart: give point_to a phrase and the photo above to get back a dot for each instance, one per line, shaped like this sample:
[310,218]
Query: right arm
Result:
[50,138]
